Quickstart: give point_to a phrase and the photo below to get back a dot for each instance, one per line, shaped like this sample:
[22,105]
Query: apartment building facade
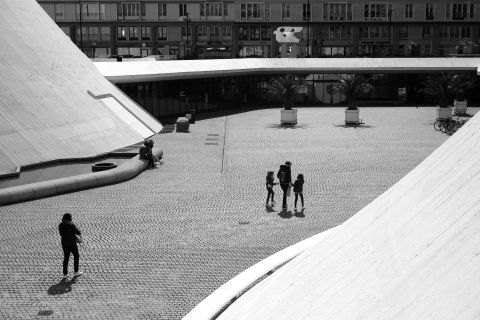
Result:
[235,28]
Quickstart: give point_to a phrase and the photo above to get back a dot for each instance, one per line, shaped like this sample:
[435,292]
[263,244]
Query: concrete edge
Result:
[123,172]
[212,306]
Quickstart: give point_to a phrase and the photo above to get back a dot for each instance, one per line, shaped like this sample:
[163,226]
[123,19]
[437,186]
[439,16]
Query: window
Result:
[408,10]
[146,33]
[255,10]
[105,33]
[59,11]
[90,10]
[254,33]
[337,11]
[454,32]
[243,33]
[184,31]
[202,31]
[215,31]
[403,32]
[162,33]
[182,9]
[426,32]
[460,11]
[130,10]
[122,33]
[93,33]
[227,31]
[133,33]
[443,33]
[335,33]
[285,11]
[162,10]
[376,11]
[465,32]
[265,33]
[102,11]
[212,9]
[374,32]
[307,14]
[429,13]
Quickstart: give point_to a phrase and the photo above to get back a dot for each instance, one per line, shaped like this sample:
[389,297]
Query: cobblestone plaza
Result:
[157,245]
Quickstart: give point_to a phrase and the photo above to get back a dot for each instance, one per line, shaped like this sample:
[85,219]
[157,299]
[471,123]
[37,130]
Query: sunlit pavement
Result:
[157,245]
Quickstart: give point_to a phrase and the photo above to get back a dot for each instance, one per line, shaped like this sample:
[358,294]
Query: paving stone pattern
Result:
[155,246]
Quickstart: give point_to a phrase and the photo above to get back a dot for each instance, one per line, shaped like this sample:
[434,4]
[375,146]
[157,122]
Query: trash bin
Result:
[182,125]
[192,113]
[119,59]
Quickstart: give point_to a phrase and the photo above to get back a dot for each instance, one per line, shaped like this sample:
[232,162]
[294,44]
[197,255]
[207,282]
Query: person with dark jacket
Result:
[298,189]
[68,233]
[146,153]
[284,175]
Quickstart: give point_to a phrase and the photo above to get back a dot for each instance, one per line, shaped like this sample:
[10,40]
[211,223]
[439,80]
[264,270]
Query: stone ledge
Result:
[123,172]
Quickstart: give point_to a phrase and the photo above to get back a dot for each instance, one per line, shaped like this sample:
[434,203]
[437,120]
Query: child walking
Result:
[269,184]
[298,189]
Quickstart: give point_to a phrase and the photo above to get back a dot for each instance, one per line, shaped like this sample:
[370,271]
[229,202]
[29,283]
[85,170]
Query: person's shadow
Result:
[64,286]
[285,214]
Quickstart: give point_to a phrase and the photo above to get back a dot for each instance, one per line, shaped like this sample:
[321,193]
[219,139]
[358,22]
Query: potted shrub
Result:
[286,87]
[443,87]
[352,87]
[460,103]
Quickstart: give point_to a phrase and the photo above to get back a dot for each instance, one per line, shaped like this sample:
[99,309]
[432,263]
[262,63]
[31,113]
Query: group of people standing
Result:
[284,176]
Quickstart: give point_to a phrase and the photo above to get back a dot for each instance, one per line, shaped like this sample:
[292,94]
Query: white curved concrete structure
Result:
[413,253]
[51,95]
[120,72]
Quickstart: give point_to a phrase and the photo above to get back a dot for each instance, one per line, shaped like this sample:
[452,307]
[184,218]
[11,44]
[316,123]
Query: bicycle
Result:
[450,125]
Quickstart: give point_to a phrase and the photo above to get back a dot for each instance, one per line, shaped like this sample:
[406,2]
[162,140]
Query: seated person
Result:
[146,153]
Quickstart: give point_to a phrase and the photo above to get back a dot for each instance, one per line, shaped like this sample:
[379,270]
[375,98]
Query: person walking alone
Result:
[284,175]
[68,233]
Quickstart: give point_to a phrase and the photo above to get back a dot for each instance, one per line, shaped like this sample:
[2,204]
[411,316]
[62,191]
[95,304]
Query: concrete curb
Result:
[123,172]
[212,306]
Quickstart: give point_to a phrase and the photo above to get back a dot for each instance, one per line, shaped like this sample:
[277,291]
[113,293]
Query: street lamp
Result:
[390,45]
[188,40]
[308,29]
[81,29]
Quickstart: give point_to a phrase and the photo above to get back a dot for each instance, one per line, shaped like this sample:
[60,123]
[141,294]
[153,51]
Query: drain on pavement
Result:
[212,139]
[45,312]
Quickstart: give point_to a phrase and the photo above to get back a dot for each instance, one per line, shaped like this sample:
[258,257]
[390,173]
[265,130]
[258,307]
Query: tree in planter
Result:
[445,86]
[352,87]
[286,88]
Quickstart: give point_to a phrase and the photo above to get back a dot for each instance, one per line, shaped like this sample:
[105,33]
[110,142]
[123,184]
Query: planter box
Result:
[444,113]
[288,116]
[459,107]
[352,116]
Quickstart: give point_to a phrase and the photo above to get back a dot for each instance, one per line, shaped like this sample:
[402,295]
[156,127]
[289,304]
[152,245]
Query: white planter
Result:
[288,116]
[352,116]
[444,113]
[460,107]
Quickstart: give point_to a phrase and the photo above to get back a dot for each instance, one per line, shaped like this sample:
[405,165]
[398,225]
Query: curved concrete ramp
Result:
[413,253]
[54,103]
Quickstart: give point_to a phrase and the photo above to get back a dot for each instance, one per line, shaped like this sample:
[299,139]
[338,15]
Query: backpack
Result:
[281,175]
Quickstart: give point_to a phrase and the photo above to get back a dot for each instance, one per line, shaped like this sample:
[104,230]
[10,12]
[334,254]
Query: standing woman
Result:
[284,175]
[68,232]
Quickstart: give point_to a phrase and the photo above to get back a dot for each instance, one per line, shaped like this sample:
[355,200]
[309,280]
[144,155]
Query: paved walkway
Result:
[157,245]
